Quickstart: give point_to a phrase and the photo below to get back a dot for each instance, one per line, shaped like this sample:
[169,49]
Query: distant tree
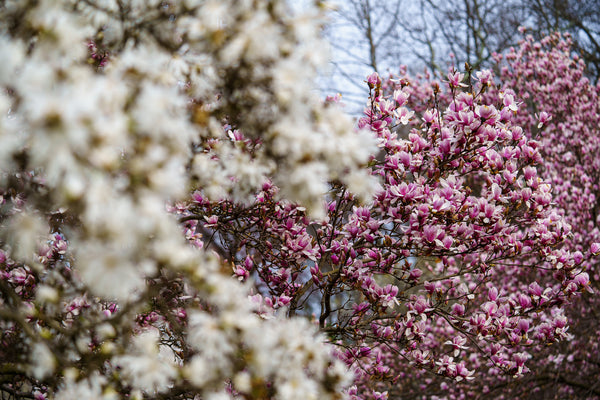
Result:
[435,35]
[579,18]
[365,36]
[553,83]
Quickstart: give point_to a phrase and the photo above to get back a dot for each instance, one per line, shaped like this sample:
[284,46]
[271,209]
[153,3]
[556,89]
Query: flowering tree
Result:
[559,111]
[150,150]
[374,36]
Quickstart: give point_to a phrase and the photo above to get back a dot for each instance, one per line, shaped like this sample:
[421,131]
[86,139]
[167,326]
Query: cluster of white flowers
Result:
[277,358]
[114,141]
[252,64]
[148,366]
[90,389]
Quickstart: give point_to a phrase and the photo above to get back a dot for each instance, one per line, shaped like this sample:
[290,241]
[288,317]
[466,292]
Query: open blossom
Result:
[508,100]
[543,117]
[458,344]
[455,79]
[484,76]
[149,366]
[91,388]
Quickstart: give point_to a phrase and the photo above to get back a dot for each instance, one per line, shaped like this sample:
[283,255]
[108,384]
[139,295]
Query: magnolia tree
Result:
[559,116]
[182,219]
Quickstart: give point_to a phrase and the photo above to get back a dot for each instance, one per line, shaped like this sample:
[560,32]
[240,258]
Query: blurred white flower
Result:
[148,366]
[42,361]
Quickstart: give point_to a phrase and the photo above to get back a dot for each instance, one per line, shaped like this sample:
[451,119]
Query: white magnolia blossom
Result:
[44,362]
[91,388]
[148,366]
[112,144]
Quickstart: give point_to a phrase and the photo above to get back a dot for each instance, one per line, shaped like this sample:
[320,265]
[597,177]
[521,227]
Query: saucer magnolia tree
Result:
[455,274]
[545,87]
